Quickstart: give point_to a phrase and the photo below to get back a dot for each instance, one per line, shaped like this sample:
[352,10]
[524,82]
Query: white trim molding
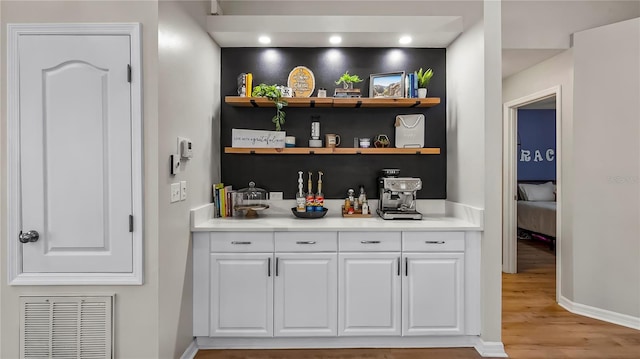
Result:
[14,249]
[191,351]
[600,314]
[490,349]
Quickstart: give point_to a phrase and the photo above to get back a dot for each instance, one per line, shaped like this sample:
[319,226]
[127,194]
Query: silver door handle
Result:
[306,242]
[370,242]
[236,242]
[434,242]
[30,236]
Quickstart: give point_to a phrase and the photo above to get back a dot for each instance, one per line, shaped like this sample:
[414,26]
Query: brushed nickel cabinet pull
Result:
[237,242]
[269,267]
[277,262]
[434,242]
[306,242]
[398,266]
[370,242]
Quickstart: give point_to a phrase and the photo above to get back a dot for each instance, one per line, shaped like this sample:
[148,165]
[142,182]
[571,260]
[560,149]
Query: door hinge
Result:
[128,73]
[131,223]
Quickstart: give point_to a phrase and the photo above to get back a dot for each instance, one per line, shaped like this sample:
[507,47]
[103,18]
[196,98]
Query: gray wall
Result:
[607,164]
[474,154]
[136,307]
[189,106]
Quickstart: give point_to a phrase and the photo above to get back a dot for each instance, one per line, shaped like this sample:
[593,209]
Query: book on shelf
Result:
[223,200]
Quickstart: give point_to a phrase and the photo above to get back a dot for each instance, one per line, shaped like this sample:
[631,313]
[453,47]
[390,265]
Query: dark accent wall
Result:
[341,172]
[536,145]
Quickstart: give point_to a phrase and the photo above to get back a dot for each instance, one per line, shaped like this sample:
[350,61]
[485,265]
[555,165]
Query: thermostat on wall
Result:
[185,147]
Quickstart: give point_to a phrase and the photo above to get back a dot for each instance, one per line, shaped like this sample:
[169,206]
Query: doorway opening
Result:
[532,181]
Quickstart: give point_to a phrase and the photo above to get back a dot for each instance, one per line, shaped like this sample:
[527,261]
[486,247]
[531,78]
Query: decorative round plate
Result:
[302,81]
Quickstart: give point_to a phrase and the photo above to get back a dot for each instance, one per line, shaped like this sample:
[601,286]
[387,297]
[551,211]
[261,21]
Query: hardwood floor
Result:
[533,325]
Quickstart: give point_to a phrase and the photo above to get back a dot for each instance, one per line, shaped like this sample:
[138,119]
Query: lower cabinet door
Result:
[433,294]
[369,294]
[305,294]
[241,295]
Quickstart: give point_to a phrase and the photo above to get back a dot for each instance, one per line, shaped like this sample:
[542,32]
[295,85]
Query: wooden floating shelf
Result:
[311,102]
[332,151]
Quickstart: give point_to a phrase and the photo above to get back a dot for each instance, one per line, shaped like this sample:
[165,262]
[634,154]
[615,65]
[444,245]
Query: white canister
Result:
[315,130]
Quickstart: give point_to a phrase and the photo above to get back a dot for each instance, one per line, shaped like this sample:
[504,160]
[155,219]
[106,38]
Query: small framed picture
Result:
[386,85]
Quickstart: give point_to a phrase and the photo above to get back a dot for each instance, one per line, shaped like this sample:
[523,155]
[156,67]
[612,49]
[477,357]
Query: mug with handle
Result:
[332,140]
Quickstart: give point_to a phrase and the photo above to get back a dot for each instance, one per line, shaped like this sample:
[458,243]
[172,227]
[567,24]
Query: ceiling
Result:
[533,31]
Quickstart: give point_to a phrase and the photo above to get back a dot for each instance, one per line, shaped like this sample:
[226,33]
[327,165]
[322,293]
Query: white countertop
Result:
[333,221]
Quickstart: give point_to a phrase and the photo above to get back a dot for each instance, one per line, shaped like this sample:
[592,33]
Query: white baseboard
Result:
[191,350]
[600,314]
[436,341]
[491,349]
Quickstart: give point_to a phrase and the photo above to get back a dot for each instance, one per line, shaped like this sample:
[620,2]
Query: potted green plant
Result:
[347,80]
[424,77]
[273,93]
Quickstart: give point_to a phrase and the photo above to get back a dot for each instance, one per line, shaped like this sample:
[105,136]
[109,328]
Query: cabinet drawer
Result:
[432,241]
[257,242]
[369,241]
[306,241]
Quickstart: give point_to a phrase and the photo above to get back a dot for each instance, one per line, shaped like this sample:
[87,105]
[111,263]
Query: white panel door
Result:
[75,152]
[241,295]
[369,294]
[306,294]
[433,294]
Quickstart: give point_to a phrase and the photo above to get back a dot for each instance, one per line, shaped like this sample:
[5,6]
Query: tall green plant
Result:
[424,77]
[273,93]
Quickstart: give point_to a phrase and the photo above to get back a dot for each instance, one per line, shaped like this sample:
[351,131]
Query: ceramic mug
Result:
[290,141]
[332,140]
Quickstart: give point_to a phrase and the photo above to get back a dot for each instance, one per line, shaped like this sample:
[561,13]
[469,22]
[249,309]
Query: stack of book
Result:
[245,83]
[223,200]
[411,85]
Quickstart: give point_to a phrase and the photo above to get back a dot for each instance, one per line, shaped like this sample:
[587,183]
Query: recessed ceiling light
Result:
[335,39]
[405,40]
[264,39]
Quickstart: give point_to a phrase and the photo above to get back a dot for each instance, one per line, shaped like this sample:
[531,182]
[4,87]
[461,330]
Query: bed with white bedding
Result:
[538,217]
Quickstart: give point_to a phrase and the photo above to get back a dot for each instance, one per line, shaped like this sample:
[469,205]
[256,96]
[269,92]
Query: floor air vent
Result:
[66,327]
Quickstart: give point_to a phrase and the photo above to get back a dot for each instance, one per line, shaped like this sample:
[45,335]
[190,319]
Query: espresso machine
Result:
[398,195]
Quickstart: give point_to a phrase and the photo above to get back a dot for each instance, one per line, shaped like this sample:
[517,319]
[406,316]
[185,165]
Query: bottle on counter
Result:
[353,202]
[319,196]
[310,199]
[301,200]
[363,196]
[365,207]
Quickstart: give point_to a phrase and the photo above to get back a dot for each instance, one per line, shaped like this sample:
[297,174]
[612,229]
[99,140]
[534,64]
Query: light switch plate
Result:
[183,190]
[175,192]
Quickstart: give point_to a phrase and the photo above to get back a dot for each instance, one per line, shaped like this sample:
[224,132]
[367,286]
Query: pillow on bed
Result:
[537,192]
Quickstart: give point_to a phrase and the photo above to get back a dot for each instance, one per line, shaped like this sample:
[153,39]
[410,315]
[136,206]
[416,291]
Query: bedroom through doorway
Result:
[531,224]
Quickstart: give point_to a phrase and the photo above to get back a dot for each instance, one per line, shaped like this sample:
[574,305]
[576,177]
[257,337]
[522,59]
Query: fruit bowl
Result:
[309,215]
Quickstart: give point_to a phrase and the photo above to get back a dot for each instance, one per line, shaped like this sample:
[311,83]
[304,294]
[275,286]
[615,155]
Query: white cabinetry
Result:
[305,294]
[241,295]
[306,290]
[339,287]
[369,284]
[433,284]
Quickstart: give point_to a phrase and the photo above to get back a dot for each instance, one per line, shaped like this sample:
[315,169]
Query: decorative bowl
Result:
[309,215]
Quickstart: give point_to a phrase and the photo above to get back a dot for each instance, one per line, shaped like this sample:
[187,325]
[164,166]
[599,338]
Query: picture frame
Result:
[387,85]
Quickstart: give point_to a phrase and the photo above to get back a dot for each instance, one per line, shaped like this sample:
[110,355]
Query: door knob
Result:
[30,236]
